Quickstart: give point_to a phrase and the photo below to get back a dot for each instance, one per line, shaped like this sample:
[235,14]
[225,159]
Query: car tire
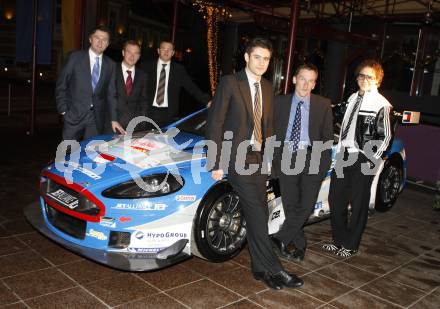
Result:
[389,184]
[219,229]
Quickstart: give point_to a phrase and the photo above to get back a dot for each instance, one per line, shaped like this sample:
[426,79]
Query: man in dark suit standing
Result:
[303,124]
[242,105]
[165,80]
[85,90]
[131,84]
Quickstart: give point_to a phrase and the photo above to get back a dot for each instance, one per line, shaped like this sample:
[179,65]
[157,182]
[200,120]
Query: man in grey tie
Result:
[166,78]
[85,90]
[303,123]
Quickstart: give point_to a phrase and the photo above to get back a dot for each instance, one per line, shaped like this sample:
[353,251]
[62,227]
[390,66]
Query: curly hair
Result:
[375,65]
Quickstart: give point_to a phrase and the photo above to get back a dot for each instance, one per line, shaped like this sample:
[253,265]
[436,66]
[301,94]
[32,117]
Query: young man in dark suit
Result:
[131,85]
[165,80]
[85,90]
[242,105]
[303,122]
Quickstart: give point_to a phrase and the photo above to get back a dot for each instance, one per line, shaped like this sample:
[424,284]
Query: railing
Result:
[15,96]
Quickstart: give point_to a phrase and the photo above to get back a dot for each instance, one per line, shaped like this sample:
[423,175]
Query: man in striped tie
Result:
[366,135]
[242,105]
[166,79]
[85,90]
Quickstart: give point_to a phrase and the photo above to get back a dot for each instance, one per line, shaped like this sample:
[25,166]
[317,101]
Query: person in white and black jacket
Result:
[366,134]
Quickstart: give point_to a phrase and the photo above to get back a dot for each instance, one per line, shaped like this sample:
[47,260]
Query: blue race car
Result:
[146,201]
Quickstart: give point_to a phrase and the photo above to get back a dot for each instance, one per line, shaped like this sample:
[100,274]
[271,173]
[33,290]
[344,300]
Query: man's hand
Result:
[217,175]
[208,105]
[117,128]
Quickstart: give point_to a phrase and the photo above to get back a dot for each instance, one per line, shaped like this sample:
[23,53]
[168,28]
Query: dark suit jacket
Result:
[135,104]
[320,127]
[177,80]
[74,94]
[232,110]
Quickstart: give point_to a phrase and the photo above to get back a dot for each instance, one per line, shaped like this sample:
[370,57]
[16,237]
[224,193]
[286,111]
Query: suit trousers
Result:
[253,202]
[160,115]
[84,129]
[298,194]
[354,189]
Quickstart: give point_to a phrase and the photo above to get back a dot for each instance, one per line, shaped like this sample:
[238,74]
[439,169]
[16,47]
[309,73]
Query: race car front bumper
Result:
[126,261]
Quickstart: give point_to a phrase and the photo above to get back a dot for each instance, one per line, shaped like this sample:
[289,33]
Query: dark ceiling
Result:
[393,10]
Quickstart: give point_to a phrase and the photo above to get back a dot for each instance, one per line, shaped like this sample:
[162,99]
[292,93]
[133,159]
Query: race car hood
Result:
[123,157]
[147,150]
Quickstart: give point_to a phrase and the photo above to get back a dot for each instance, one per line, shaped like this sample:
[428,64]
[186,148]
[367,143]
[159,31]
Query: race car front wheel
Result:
[219,230]
[388,187]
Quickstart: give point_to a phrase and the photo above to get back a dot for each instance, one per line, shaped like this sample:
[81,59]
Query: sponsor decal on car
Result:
[139,235]
[318,205]
[101,160]
[140,206]
[160,206]
[137,256]
[64,198]
[83,170]
[166,235]
[107,222]
[125,219]
[96,234]
[144,250]
[275,214]
[185,198]
[146,145]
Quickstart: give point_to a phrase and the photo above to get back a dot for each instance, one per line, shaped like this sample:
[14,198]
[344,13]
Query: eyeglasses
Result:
[365,76]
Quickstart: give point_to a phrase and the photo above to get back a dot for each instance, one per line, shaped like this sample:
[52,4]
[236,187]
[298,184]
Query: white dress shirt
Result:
[124,71]
[92,57]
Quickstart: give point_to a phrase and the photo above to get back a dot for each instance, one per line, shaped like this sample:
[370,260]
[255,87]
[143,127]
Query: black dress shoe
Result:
[288,280]
[268,280]
[298,255]
[280,248]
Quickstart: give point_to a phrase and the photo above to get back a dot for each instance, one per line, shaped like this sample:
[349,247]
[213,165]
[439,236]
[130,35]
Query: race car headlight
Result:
[148,186]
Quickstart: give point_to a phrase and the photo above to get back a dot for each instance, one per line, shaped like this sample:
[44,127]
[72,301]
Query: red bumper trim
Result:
[81,190]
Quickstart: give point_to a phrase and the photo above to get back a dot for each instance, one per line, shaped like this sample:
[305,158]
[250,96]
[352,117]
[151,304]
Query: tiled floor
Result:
[398,265]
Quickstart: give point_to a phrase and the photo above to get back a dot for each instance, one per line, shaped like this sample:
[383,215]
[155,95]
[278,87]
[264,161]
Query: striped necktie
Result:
[161,86]
[258,136]
[95,73]
[350,119]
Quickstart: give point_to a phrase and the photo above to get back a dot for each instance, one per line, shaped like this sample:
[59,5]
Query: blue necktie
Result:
[95,73]
[295,134]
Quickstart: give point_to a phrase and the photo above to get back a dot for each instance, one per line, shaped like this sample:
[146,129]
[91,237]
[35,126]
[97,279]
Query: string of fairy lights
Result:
[213,12]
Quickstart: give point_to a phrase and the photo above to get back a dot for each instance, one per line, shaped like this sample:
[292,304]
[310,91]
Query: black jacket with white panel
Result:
[374,124]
